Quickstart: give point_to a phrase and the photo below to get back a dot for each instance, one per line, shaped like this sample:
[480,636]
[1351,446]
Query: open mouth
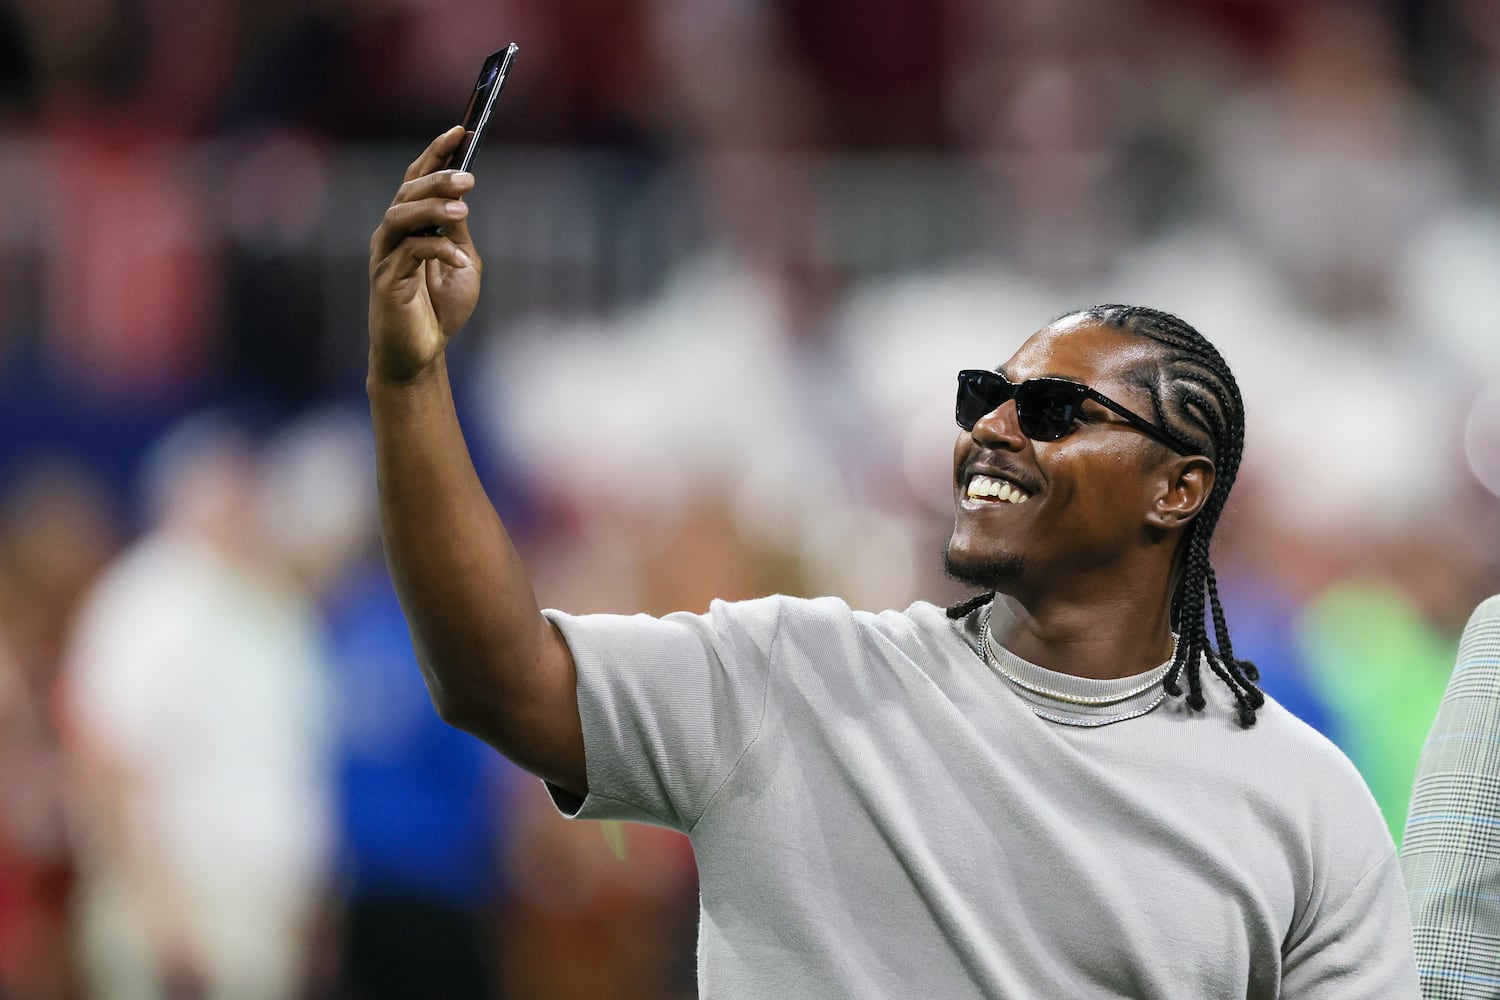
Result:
[988,489]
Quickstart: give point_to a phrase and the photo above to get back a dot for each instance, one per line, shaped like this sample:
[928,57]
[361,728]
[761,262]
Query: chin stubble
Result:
[986,574]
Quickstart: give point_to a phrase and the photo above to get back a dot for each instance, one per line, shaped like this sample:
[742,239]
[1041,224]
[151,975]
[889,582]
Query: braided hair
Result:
[1196,398]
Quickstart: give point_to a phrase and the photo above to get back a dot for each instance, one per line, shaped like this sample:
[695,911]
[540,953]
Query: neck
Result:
[1125,634]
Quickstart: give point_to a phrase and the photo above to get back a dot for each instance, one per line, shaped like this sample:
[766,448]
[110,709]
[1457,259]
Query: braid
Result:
[1221,629]
[1190,626]
[1197,400]
[963,608]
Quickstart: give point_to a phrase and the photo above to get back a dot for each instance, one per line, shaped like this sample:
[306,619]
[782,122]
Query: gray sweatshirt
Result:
[879,810]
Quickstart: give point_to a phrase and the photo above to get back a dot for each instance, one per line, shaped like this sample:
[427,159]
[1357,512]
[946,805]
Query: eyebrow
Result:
[1048,374]
[1002,371]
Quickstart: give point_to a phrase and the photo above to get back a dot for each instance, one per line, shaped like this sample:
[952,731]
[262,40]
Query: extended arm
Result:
[493,665]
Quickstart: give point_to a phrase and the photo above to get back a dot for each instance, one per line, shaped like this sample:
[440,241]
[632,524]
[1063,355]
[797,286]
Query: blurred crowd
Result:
[736,251]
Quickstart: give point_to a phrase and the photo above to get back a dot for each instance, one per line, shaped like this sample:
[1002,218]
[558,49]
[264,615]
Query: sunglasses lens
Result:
[979,392]
[1046,409]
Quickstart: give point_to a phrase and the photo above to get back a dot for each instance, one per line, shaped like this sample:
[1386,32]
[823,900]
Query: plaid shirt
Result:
[1450,855]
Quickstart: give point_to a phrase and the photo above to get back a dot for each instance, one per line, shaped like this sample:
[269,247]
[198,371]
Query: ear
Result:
[1183,489]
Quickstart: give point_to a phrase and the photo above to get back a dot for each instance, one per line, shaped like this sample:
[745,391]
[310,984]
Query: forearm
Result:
[493,665]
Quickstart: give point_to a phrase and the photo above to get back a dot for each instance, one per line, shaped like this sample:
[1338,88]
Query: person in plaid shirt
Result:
[1451,851]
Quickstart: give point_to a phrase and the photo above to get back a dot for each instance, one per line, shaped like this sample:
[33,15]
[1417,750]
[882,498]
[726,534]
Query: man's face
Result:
[1086,494]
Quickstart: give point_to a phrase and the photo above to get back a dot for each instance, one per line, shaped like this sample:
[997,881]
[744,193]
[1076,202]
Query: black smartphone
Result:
[477,116]
[481,104]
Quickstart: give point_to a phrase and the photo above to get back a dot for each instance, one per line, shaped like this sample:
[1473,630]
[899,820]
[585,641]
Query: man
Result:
[1003,801]
[1450,854]
[195,709]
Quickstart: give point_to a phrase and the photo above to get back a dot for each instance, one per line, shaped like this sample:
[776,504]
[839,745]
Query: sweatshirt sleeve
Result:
[668,705]
[1359,947]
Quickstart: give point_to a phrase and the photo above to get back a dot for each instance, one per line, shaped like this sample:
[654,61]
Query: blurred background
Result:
[735,251]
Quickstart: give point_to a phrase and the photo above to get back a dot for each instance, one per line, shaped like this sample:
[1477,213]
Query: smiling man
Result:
[1034,794]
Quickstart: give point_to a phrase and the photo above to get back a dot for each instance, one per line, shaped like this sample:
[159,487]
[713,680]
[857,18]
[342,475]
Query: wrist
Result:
[384,375]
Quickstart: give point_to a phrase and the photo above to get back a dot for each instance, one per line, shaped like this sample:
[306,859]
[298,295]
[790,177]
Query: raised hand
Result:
[423,287]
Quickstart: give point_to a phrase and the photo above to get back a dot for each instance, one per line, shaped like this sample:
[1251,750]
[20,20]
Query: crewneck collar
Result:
[1066,699]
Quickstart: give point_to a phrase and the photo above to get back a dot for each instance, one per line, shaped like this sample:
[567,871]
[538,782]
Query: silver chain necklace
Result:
[1153,679]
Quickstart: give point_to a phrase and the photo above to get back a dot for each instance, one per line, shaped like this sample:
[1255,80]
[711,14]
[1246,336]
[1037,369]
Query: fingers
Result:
[458,231]
[407,258]
[436,153]
[416,218]
[421,207]
[426,204]
[451,185]
[441,184]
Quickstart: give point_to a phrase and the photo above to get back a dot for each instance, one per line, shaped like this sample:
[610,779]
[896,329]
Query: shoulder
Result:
[1303,790]
[1283,747]
[1473,687]
[159,560]
[1282,736]
[1302,779]
[1342,855]
[731,629]
[811,620]
[1293,801]
[156,572]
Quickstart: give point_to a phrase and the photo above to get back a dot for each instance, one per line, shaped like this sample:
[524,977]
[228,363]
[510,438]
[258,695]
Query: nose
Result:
[1000,428]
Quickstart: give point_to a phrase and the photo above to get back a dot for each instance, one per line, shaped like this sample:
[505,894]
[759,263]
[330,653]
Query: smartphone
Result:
[477,116]
[481,104]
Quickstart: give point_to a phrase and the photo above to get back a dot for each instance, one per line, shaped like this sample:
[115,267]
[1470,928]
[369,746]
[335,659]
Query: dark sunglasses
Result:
[1046,408]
